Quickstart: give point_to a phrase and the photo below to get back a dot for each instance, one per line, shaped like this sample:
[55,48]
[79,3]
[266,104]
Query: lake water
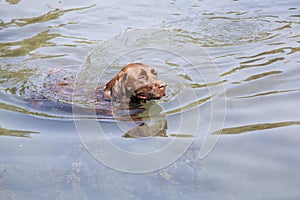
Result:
[231,113]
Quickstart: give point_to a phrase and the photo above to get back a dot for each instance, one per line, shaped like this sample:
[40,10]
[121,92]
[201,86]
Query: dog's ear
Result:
[115,87]
[107,94]
[108,89]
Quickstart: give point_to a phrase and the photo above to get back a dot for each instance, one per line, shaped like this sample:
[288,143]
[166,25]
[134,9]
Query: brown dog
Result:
[135,82]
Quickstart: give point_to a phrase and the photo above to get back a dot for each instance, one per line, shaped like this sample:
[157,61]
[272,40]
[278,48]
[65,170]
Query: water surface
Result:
[252,45]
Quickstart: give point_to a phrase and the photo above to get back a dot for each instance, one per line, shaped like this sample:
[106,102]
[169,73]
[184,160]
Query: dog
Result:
[135,82]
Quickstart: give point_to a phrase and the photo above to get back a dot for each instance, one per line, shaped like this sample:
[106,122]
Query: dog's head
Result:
[135,82]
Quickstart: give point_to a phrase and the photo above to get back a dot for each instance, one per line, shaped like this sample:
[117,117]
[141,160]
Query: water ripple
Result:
[16,133]
[256,127]
[268,93]
[49,16]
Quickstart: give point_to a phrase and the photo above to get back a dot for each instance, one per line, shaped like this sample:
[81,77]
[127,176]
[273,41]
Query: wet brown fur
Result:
[125,86]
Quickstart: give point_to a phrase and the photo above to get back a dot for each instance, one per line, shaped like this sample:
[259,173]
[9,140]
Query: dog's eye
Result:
[141,77]
[153,72]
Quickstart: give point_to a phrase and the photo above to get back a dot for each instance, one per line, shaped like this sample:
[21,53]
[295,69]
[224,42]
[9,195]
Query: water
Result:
[231,67]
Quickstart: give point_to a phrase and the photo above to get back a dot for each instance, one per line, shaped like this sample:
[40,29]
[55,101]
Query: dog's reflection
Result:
[151,122]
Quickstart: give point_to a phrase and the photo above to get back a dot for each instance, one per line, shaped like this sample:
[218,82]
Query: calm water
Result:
[232,67]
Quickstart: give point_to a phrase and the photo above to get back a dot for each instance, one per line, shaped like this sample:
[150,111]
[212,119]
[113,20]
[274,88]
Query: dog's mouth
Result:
[149,93]
[143,96]
[148,96]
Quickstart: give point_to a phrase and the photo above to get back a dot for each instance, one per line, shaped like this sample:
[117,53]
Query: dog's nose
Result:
[160,85]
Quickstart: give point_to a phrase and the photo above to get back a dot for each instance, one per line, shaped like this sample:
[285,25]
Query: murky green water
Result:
[232,69]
